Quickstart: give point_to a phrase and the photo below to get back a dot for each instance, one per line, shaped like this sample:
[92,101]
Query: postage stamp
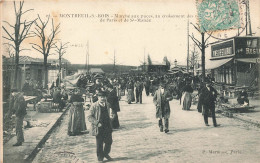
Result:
[216,15]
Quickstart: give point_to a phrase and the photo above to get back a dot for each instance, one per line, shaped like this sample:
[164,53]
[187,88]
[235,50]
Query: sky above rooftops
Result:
[129,41]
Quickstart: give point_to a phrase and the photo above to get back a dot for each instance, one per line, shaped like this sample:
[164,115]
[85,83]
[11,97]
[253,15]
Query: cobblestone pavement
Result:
[139,139]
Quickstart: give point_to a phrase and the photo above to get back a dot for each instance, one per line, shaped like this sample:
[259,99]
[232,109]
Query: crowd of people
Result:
[105,93]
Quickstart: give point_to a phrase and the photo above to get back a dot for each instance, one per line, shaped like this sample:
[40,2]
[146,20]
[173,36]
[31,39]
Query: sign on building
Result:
[224,49]
[247,46]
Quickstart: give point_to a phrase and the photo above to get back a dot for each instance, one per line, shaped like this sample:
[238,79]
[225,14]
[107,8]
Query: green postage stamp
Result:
[215,15]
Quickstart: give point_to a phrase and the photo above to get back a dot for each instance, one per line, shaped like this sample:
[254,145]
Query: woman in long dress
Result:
[77,122]
[130,92]
[186,97]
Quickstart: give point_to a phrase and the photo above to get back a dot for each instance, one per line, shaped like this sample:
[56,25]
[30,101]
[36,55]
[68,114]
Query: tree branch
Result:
[24,49]
[26,11]
[57,51]
[7,38]
[36,34]
[209,36]
[196,43]
[21,5]
[63,52]
[195,40]
[66,44]
[12,39]
[38,50]
[37,25]
[24,28]
[43,23]
[195,27]
[37,46]
[8,24]
[9,45]
[26,33]
[15,9]
[52,54]
[28,36]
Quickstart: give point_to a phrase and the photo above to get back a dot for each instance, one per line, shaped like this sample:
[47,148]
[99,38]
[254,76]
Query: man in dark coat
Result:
[199,106]
[138,91]
[123,86]
[101,126]
[161,100]
[18,107]
[58,98]
[147,86]
[113,104]
[208,98]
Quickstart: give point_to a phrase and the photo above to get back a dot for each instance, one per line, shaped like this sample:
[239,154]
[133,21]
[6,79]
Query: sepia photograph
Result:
[130,81]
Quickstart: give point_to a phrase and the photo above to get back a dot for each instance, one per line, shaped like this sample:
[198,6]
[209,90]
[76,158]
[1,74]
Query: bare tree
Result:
[10,51]
[202,46]
[61,50]
[47,42]
[193,59]
[17,34]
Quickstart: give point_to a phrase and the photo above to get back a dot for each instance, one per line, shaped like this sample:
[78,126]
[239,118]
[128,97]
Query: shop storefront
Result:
[235,62]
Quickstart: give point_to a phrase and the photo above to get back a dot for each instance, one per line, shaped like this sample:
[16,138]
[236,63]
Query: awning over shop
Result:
[212,64]
[249,60]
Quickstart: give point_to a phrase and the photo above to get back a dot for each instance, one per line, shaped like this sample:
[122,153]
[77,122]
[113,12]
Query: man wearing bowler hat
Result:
[101,126]
[17,106]
[161,100]
[208,98]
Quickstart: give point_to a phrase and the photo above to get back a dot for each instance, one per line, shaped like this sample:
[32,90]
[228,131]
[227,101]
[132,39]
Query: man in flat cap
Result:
[101,126]
[17,106]
[161,100]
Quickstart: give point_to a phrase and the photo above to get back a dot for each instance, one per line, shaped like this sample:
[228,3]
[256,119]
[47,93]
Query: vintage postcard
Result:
[130,81]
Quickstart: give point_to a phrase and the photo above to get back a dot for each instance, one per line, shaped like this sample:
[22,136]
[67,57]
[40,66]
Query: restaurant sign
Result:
[247,46]
[223,49]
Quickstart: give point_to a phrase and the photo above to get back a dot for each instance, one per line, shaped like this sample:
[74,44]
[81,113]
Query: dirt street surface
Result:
[139,139]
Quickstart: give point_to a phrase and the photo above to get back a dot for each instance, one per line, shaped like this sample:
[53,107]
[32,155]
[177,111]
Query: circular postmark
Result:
[222,19]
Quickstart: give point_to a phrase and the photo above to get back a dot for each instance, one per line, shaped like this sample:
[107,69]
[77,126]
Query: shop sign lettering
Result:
[223,49]
[252,51]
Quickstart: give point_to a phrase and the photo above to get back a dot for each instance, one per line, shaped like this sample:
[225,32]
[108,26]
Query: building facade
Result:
[236,61]
[158,68]
[30,68]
